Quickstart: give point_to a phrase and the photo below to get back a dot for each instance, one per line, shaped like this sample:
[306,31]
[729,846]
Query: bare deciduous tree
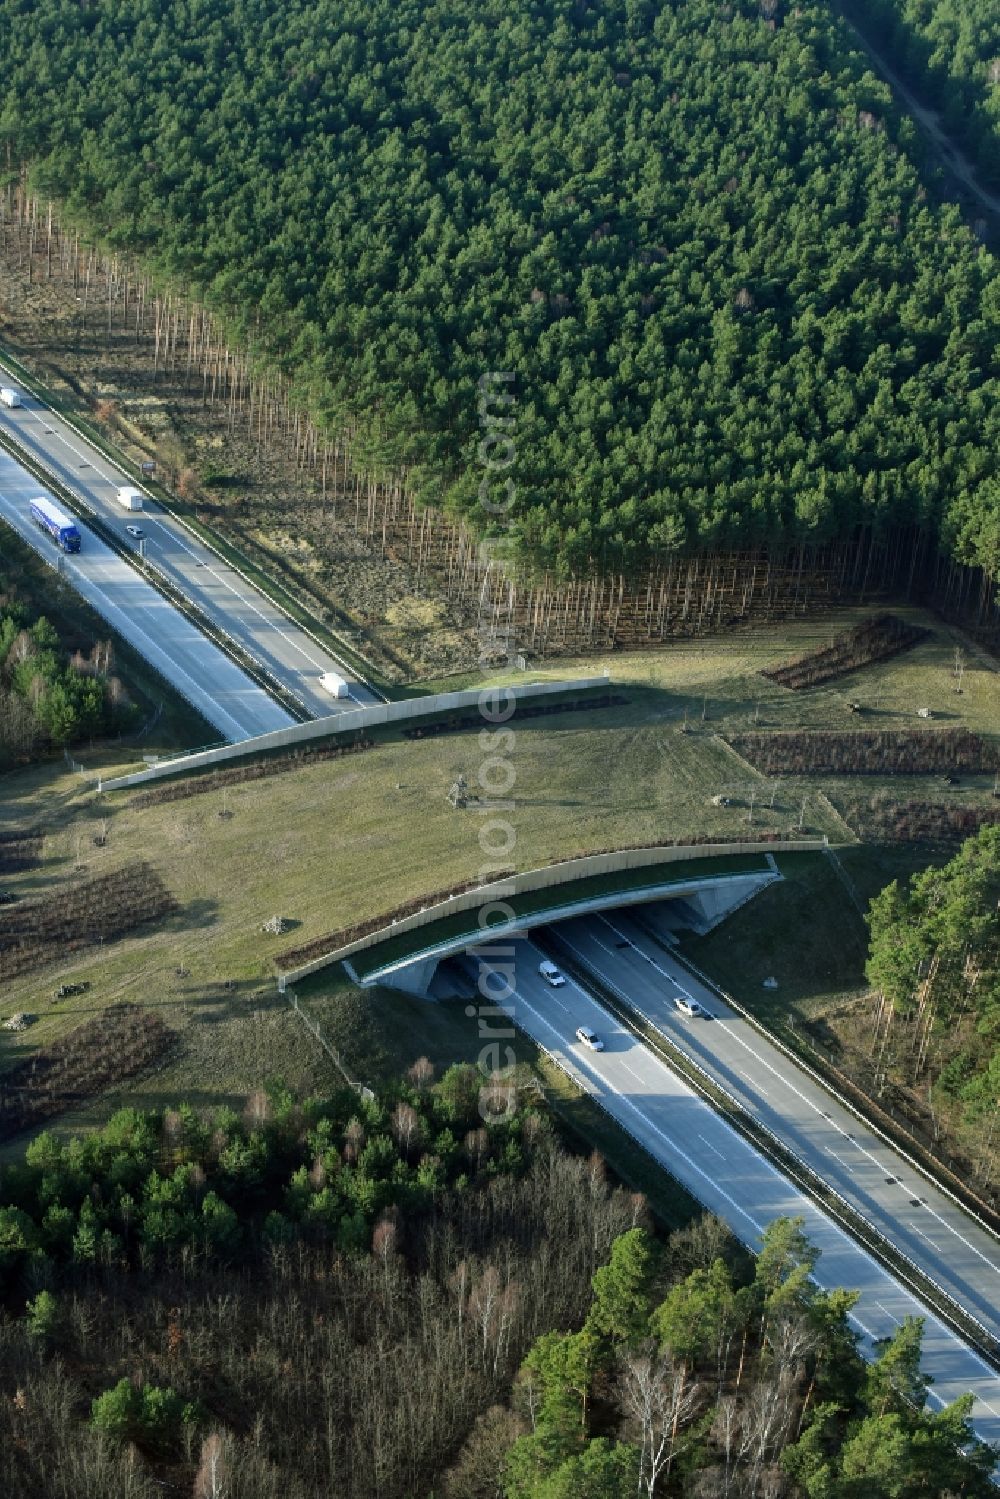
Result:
[354,1140]
[659,1398]
[477,1146]
[478,1471]
[385,1236]
[211,1479]
[406,1127]
[421,1074]
[257,1109]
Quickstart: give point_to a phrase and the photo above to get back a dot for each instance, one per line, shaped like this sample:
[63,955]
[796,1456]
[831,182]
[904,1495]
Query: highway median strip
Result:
[777,1153]
[847,1093]
[256,671]
[320,632]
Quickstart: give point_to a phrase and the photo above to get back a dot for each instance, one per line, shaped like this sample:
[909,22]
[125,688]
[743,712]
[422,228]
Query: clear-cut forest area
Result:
[650,345]
[697,235]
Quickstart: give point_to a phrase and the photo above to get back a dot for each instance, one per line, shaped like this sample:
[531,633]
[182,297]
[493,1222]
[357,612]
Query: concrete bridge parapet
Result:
[710,900]
[562,873]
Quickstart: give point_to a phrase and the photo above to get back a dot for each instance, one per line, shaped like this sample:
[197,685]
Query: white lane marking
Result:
[932,1322]
[762,1163]
[803,1098]
[587,1059]
[888,1313]
[632,1073]
[916,1230]
[753,1081]
[61,437]
[88,463]
[932,1394]
[130,630]
[708,1142]
[243,598]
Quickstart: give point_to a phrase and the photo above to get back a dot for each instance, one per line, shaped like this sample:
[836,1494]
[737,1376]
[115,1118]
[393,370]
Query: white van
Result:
[550,973]
[335,685]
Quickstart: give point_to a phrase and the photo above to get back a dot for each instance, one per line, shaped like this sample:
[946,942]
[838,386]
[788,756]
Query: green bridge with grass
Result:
[711,879]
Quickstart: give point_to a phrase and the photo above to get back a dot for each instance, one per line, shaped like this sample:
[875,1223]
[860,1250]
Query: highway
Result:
[922,1222]
[273,640]
[719,1167]
[199,670]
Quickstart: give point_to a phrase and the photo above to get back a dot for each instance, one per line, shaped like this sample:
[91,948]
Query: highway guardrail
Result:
[253,668]
[792,1165]
[215,544]
[792,1053]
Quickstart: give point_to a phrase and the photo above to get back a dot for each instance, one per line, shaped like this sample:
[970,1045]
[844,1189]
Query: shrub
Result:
[34,932]
[20,849]
[874,639]
[868,752]
[44,1317]
[117,1043]
[17,1238]
[116,1412]
[882,819]
[146,1413]
[254,770]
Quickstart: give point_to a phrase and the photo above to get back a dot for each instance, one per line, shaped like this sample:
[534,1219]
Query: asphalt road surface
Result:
[726,1173]
[273,640]
[920,1220]
[203,673]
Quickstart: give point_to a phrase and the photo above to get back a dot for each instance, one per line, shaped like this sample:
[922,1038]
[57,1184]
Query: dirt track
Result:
[954,162]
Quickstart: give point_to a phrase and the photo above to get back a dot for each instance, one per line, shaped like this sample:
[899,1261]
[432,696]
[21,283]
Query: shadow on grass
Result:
[199,913]
[226,998]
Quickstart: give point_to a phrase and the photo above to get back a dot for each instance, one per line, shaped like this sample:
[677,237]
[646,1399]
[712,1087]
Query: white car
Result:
[135,531]
[688,1006]
[550,973]
[588,1038]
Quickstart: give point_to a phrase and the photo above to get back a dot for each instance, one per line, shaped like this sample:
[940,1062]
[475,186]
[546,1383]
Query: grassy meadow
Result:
[338,841]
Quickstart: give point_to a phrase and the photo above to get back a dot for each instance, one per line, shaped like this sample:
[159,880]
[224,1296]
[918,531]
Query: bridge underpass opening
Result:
[695,905]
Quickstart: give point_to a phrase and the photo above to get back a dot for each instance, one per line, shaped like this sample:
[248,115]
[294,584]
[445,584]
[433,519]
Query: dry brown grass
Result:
[341,840]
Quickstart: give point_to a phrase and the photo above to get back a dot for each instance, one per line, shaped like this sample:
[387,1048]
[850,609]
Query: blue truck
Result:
[59,525]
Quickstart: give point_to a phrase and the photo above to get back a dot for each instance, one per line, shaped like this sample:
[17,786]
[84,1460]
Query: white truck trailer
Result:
[9,396]
[334,685]
[129,498]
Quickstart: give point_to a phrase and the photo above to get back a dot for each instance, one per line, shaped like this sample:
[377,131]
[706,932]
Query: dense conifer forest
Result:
[934,966]
[695,234]
[950,49]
